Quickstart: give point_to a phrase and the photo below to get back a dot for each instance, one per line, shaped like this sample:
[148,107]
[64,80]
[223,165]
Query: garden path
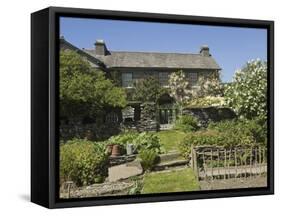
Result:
[124,171]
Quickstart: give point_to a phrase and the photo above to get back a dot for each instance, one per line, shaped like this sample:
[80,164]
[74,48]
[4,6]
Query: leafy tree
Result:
[84,90]
[247,94]
[147,90]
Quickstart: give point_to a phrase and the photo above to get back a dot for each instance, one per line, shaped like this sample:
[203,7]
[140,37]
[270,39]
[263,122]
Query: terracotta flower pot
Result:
[115,150]
[109,148]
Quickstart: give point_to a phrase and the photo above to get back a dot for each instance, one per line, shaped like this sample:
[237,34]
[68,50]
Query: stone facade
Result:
[127,68]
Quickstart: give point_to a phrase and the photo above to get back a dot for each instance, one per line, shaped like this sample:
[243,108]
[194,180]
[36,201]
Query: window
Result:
[127,80]
[111,117]
[164,78]
[193,78]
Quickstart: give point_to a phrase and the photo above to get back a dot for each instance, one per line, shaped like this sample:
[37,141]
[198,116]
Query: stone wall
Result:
[89,131]
[210,114]
[117,160]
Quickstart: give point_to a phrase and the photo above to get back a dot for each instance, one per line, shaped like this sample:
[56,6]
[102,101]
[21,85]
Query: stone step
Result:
[175,155]
[169,164]
[124,171]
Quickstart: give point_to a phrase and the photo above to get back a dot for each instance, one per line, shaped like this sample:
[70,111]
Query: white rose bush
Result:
[247,94]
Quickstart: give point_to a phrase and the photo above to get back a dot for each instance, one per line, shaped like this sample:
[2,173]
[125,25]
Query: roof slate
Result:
[118,59]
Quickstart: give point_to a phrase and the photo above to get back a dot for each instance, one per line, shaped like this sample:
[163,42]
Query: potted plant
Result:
[115,150]
[109,148]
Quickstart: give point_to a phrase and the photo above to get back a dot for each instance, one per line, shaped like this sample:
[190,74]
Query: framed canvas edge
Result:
[53,66]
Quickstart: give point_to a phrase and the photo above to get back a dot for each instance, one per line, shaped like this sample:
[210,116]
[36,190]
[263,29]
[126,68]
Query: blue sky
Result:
[232,47]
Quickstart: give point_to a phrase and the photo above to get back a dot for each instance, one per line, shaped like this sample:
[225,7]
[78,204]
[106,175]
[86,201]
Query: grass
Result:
[174,181]
[171,139]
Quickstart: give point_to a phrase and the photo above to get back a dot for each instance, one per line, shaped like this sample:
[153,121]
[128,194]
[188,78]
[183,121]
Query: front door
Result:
[166,116]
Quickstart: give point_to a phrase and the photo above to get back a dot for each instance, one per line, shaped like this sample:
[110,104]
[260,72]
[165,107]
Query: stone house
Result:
[133,66]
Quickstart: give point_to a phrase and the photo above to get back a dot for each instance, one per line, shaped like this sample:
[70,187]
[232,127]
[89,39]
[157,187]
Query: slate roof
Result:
[121,59]
[155,60]
[91,58]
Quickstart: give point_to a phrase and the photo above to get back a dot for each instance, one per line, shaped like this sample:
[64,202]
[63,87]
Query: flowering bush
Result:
[209,91]
[247,94]
[210,85]
[180,88]
[207,102]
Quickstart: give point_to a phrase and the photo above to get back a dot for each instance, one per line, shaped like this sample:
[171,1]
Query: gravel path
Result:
[104,189]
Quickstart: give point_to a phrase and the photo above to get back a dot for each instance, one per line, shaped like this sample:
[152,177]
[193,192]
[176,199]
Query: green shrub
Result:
[255,128]
[147,141]
[83,162]
[213,138]
[230,134]
[137,188]
[258,128]
[123,139]
[186,123]
[148,158]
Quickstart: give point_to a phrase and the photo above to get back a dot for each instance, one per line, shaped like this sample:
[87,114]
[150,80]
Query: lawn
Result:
[171,139]
[174,181]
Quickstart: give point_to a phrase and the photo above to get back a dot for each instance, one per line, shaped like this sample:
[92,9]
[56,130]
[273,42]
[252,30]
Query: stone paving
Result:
[124,171]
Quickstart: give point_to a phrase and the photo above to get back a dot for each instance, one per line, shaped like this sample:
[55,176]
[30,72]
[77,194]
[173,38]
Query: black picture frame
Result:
[44,105]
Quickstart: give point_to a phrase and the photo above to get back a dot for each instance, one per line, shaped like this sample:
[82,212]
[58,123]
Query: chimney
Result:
[100,47]
[204,51]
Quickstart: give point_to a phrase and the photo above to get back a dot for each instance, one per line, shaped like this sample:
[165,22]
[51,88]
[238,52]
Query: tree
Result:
[247,94]
[180,88]
[210,85]
[147,90]
[84,90]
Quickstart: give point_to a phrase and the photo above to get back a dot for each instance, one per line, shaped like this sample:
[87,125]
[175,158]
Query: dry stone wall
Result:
[210,114]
